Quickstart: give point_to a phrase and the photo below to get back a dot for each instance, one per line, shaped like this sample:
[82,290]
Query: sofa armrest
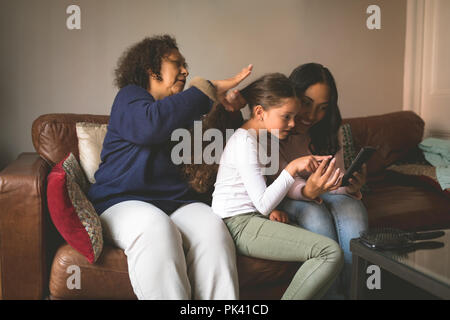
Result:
[23,217]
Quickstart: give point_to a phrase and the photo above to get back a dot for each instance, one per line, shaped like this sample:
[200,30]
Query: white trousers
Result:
[187,255]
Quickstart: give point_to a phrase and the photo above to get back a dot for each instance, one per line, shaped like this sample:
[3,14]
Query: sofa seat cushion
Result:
[261,279]
[108,277]
[406,204]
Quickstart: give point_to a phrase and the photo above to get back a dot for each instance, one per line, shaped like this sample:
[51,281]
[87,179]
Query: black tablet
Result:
[363,156]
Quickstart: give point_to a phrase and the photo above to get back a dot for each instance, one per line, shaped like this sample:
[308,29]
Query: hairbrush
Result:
[391,238]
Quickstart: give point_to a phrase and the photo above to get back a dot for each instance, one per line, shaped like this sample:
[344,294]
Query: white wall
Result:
[46,68]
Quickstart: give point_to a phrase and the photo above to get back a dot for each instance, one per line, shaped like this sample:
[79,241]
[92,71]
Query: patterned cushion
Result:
[349,150]
[71,212]
[347,145]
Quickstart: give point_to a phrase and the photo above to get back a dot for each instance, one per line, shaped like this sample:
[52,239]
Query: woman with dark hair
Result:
[175,247]
[331,210]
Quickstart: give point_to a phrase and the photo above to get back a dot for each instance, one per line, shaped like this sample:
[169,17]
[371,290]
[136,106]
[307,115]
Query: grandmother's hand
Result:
[233,101]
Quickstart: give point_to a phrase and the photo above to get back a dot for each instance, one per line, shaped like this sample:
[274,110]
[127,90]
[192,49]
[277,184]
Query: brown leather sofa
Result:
[35,259]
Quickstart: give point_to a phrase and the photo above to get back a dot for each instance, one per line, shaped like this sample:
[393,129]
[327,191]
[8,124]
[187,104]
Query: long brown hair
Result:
[267,91]
[324,134]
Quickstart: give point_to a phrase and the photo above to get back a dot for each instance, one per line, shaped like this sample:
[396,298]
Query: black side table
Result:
[426,266]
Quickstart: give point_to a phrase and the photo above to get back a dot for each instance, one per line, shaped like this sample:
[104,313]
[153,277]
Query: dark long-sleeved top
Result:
[136,156]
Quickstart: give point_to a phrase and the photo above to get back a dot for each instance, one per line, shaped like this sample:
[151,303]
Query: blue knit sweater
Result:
[135,159]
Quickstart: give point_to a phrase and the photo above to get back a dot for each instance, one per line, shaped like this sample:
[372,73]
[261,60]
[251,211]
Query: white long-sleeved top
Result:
[241,186]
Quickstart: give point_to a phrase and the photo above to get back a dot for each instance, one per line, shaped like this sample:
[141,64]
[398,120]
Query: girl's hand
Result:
[359,180]
[308,163]
[323,180]
[280,216]
[222,87]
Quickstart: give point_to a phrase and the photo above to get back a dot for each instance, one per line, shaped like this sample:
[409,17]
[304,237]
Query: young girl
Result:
[243,200]
[333,211]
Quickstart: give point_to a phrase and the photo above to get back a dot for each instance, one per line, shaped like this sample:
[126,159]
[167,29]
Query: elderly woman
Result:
[176,247]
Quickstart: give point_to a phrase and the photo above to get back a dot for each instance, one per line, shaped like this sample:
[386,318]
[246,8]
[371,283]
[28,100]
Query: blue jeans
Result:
[339,217]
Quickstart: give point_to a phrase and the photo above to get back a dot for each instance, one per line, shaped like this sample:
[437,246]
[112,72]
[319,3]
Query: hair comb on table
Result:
[391,238]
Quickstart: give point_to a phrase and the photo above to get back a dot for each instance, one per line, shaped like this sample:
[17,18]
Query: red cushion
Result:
[72,222]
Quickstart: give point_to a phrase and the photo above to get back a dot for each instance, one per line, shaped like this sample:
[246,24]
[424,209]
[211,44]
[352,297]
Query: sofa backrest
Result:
[55,135]
[395,134]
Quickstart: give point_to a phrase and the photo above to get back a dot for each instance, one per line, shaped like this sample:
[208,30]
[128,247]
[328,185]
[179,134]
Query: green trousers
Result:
[257,236]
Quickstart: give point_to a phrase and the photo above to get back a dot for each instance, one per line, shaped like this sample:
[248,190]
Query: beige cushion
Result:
[90,143]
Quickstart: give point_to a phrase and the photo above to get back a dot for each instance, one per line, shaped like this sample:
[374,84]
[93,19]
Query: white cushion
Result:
[90,143]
